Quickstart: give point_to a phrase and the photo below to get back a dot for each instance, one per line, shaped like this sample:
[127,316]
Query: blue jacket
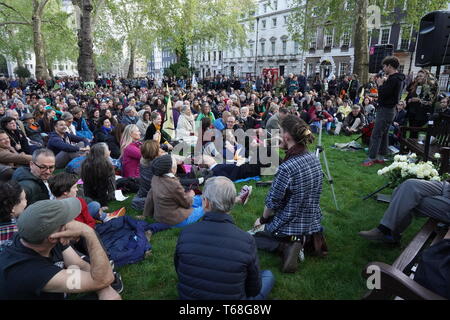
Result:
[124,239]
[82,129]
[216,260]
[57,144]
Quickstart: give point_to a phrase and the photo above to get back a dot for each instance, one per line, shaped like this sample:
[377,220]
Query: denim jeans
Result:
[196,214]
[94,209]
[267,282]
[379,140]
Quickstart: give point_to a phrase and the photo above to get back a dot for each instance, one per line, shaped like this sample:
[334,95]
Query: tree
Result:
[130,18]
[351,15]
[182,23]
[41,27]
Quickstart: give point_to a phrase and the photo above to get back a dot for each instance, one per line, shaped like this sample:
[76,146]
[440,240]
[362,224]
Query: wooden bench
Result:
[440,131]
[397,279]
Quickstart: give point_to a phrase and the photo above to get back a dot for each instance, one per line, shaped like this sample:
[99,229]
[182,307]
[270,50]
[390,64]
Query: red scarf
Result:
[294,151]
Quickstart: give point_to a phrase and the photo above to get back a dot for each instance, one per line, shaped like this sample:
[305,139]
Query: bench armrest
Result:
[396,283]
[414,129]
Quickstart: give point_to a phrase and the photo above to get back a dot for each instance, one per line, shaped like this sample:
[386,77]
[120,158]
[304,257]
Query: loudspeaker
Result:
[377,54]
[433,45]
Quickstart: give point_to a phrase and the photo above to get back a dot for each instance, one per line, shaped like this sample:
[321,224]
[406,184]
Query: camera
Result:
[319,115]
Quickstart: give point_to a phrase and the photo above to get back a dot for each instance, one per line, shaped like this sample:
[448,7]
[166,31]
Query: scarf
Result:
[294,151]
[107,130]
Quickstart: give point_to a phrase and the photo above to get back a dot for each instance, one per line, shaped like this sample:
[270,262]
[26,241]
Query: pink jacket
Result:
[130,160]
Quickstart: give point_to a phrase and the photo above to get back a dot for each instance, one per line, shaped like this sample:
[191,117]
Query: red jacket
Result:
[85,217]
[312,113]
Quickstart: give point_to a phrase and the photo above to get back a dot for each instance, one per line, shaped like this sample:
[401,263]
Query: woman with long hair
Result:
[48,121]
[420,98]
[130,150]
[13,201]
[97,173]
[93,119]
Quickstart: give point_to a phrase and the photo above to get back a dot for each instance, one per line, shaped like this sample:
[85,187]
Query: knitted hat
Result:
[162,165]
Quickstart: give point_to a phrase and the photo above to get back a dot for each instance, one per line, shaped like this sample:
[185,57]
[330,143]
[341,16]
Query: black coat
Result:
[215,260]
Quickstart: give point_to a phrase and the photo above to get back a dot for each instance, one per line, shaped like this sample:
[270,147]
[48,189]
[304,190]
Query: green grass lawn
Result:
[338,276]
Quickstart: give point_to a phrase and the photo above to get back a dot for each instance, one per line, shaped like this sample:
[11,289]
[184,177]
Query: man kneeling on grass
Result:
[40,264]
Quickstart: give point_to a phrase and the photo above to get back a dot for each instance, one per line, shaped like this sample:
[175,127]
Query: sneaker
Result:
[376,235]
[245,193]
[118,213]
[118,283]
[368,163]
[291,256]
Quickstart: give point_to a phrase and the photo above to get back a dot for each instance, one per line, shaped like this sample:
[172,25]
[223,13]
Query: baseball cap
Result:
[45,217]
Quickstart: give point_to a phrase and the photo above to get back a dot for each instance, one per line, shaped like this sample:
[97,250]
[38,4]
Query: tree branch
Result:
[15,10]
[14,22]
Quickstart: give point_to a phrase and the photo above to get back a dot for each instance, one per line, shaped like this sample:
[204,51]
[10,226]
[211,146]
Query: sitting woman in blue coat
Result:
[80,124]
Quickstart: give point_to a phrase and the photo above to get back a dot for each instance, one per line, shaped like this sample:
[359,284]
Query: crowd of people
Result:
[133,128]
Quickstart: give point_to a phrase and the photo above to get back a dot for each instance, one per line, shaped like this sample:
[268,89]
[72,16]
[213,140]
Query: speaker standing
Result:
[390,88]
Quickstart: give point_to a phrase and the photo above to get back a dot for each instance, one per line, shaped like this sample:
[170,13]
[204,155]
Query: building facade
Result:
[160,60]
[270,46]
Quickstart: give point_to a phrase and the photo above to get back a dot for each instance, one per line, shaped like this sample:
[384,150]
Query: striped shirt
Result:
[295,197]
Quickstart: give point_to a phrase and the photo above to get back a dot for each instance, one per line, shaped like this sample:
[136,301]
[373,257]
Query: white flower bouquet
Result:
[407,167]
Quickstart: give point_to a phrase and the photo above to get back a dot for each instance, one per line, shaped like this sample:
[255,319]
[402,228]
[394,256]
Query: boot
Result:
[290,256]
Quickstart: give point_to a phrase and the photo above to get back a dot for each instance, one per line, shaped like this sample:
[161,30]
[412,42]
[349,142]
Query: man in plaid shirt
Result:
[292,205]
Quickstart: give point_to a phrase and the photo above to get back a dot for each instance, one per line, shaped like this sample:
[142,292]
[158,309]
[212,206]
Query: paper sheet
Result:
[119,195]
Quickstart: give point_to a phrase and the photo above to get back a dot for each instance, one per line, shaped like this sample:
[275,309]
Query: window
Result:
[265,8]
[252,26]
[284,47]
[296,47]
[313,42]
[285,20]
[215,57]
[329,39]
[401,68]
[209,56]
[346,39]
[275,5]
[405,38]
[220,55]
[343,67]
[250,50]
[263,24]
[273,48]
[263,48]
[274,22]
[203,56]
[385,34]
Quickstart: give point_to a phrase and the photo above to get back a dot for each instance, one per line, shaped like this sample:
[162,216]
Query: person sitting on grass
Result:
[13,201]
[354,122]
[35,264]
[214,259]
[65,185]
[167,201]
[97,173]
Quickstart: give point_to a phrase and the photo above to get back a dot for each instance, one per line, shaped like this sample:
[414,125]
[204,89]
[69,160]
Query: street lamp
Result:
[256,44]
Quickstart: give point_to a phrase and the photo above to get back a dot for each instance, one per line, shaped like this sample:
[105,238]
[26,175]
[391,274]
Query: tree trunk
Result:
[361,63]
[86,65]
[19,60]
[131,66]
[41,65]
